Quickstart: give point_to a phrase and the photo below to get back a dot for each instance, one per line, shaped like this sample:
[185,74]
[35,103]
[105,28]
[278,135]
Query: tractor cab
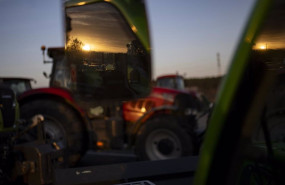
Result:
[18,85]
[171,82]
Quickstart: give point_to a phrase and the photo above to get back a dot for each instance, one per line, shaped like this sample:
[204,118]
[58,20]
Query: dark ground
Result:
[92,158]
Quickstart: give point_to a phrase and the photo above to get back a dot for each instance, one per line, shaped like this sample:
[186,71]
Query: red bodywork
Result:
[169,76]
[50,90]
[160,96]
[133,110]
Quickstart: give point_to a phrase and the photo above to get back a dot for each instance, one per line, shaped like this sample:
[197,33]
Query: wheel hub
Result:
[54,133]
[165,146]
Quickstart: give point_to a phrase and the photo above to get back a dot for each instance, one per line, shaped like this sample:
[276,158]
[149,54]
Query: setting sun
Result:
[86,47]
[262,47]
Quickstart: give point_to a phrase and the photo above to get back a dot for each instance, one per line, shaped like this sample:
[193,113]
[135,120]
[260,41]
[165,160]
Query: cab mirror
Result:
[104,57]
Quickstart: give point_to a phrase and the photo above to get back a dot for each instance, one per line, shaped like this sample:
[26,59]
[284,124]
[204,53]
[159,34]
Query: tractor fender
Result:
[57,93]
[44,92]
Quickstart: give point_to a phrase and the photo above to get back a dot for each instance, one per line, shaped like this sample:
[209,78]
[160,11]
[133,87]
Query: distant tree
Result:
[74,51]
[75,45]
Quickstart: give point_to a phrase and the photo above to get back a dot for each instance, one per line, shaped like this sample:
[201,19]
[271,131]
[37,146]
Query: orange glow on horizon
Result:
[261,46]
[98,45]
[81,3]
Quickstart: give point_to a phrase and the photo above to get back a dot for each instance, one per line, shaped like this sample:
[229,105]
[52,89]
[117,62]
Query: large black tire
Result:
[61,125]
[163,138]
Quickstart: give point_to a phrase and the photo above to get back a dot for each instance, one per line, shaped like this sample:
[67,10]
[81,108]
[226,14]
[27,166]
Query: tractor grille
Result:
[7,106]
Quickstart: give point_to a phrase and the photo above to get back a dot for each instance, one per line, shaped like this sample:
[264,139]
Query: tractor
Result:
[122,125]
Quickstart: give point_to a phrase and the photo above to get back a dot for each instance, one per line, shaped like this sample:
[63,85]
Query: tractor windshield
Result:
[102,53]
[171,82]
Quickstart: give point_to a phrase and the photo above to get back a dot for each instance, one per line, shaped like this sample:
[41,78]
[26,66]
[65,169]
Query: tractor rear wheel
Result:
[62,127]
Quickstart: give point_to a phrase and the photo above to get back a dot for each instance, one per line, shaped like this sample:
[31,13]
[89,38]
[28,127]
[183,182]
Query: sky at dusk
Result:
[186,35]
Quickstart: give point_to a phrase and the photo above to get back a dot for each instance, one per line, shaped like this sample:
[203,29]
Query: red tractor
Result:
[156,127]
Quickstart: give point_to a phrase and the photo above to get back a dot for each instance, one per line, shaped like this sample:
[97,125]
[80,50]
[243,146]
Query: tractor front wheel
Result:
[163,138]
